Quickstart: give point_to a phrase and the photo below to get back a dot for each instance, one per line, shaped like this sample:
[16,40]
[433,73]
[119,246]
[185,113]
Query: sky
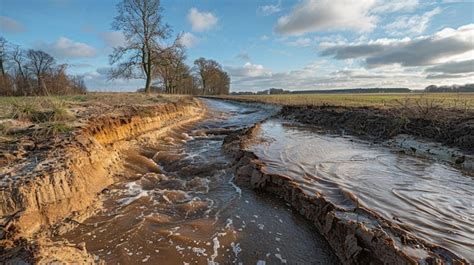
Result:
[294,45]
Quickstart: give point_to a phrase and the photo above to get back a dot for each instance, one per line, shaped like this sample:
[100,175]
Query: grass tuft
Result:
[23,110]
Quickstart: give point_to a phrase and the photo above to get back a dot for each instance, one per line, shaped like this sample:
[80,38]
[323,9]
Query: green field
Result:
[380,100]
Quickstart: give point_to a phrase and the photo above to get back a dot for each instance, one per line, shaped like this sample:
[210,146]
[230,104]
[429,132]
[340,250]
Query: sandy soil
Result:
[50,179]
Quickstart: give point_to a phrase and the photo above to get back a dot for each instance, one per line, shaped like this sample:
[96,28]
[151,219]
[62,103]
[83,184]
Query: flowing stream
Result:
[193,213]
[432,200]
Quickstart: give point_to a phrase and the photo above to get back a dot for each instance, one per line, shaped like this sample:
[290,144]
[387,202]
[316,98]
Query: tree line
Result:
[452,88]
[149,54]
[30,72]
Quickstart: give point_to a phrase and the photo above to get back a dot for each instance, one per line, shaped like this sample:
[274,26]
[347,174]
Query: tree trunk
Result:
[148,84]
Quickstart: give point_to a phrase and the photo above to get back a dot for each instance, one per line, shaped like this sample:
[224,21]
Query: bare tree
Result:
[141,23]
[40,63]
[171,68]
[213,79]
[3,55]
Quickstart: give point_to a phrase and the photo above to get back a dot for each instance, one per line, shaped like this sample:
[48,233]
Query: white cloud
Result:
[113,38]
[301,42]
[389,6]
[9,25]
[415,24]
[346,15]
[270,9]
[264,37]
[244,56]
[422,51]
[459,67]
[324,75]
[189,40]
[249,70]
[97,80]
[201,21]
[66,48]
[319,15]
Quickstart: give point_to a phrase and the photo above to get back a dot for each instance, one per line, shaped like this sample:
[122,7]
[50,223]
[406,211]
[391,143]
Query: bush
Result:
[59,111]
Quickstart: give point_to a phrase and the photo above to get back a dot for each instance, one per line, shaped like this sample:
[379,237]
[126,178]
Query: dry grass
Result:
[463,101]
[26,105]
[53,116]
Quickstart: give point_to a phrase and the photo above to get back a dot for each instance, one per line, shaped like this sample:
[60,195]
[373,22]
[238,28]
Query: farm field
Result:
[445,100]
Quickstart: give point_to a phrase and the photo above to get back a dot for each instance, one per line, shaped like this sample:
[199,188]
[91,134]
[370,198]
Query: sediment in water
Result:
[49,196]
[357,237]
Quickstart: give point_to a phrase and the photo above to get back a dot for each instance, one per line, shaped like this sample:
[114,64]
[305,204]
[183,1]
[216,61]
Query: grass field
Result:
[111,99]
[379,100]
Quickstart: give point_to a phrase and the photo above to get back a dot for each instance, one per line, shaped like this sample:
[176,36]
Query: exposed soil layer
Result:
[358,236]
[447,126]
[56,183]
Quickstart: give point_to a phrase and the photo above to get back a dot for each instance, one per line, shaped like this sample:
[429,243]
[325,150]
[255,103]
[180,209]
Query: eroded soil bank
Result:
[449,127]
[51,184]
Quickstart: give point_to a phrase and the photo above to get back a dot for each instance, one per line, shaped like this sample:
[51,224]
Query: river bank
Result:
[50,182]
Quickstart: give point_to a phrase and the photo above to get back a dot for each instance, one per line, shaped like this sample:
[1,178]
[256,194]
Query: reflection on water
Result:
[187,210]
[432,200]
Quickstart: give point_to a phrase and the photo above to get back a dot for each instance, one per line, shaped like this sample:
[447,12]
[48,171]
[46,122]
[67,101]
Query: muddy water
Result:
[188,210]
[431,200]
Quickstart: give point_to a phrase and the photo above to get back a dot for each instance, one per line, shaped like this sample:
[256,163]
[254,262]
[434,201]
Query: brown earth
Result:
[50,184]
[447,126]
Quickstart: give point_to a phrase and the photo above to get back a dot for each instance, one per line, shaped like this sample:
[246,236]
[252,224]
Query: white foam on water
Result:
[187,137]
[280,258]
[237,189]
[135,191]
[199,251]
[215,247]
[228,224]
[146,258]
[236,249]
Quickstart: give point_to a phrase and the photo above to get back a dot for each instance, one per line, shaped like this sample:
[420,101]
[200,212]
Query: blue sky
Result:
[305,44]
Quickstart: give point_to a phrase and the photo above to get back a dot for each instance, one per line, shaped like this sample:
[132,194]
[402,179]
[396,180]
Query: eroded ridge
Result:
[53,190]
[357,234]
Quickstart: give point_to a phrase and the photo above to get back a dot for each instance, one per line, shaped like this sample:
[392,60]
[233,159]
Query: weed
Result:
[59,111]
[23,109]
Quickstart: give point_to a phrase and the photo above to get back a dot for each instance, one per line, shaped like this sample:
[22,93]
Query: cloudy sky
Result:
[297,45]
